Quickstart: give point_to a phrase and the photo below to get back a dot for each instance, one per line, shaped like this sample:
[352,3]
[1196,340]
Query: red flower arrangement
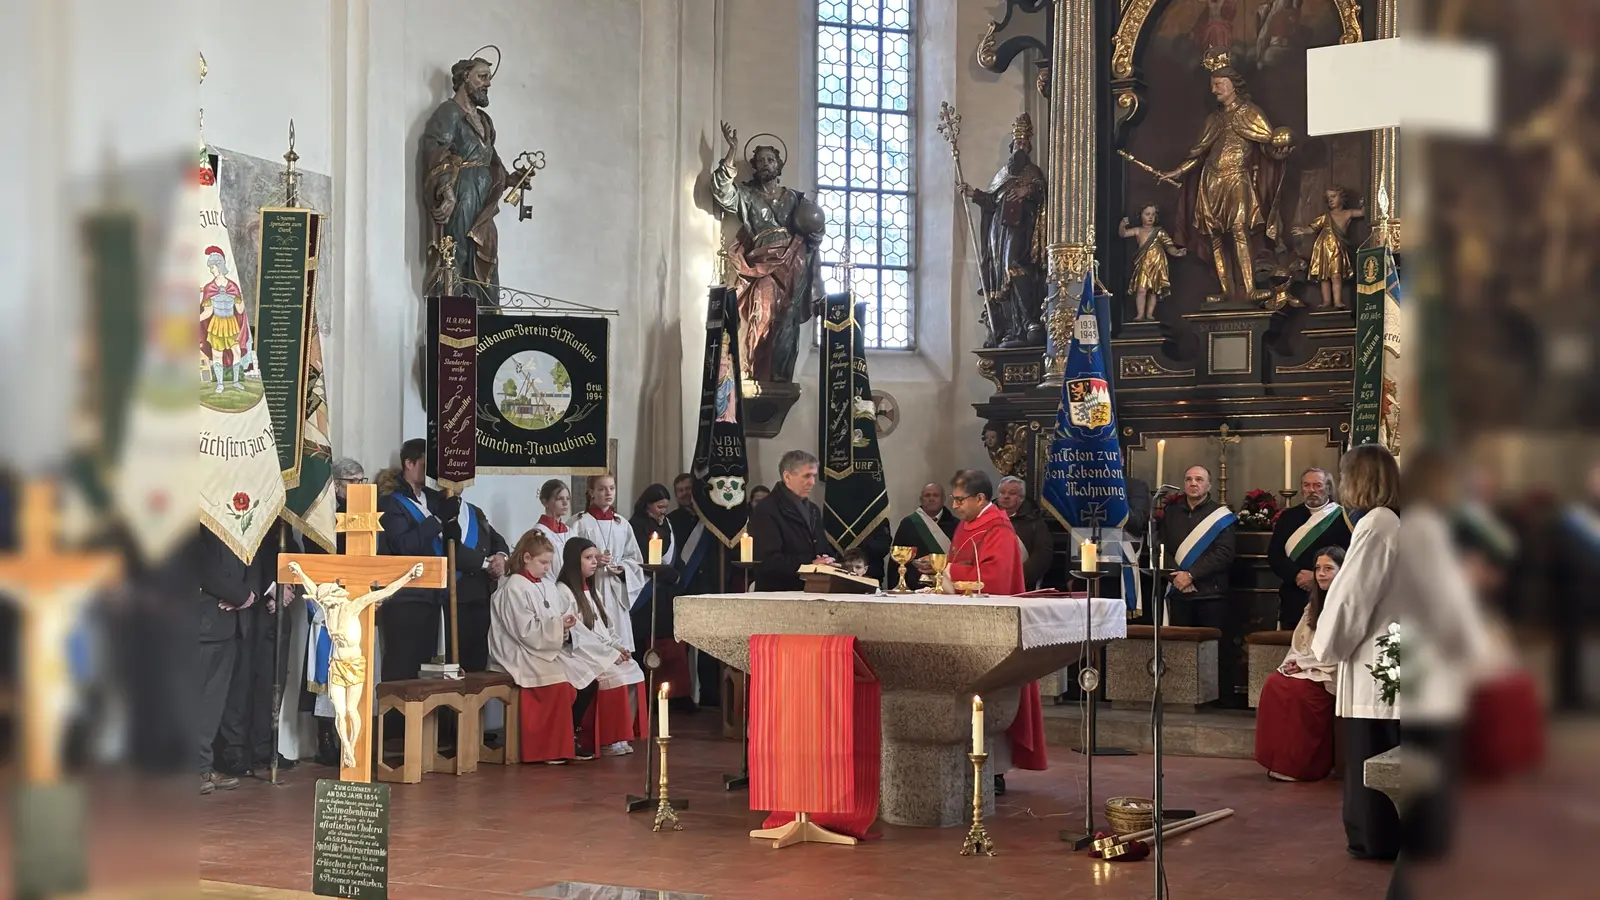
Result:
[1167,499]
[1259,511]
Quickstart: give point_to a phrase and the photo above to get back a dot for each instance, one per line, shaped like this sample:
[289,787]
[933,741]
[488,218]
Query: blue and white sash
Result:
[1585,523]
[319,650]
[420,514]
[1132,592]
[468,520]
[1201,537]
[695,547]
[1306,536]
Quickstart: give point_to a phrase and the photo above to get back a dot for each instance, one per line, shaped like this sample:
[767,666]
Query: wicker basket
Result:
[1129,814]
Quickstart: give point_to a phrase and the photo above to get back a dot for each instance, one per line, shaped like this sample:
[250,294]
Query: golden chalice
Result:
[938,562]
[902,556]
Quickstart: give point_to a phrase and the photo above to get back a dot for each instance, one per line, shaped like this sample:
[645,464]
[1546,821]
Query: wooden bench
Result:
[1191,668]
[418,702]
[480,688]
[1265,652]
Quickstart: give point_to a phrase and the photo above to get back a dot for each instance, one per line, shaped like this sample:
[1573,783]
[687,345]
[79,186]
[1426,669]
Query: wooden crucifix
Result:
[359,571]
[50,589]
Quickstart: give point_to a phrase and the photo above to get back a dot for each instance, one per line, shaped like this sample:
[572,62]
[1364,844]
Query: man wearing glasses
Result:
[985,548]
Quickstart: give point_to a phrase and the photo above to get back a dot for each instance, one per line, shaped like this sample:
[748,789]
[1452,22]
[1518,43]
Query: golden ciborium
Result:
[902,556]
[938,562]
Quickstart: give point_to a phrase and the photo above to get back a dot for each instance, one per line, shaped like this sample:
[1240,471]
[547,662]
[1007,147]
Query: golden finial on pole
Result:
[291,175]
[447,277]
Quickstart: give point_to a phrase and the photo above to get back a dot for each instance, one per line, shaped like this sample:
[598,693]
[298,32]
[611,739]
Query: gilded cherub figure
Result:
[1151,277]
[347,668]
[1331,264]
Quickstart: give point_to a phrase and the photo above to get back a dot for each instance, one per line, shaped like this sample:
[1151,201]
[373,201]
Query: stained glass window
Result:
[864,160]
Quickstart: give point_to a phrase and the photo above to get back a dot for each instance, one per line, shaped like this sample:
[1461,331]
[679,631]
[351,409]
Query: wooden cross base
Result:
[801,831]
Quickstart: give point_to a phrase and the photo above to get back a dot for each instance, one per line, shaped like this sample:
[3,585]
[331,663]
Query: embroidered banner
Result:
[1375,413]
[239,477]
[543,394]
[1085,466]
[285,285]
[452,391]
[855,499]
[721,466]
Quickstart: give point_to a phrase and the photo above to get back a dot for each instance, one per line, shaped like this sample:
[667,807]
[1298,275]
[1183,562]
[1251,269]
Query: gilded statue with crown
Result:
[1013,234]
[1228,211]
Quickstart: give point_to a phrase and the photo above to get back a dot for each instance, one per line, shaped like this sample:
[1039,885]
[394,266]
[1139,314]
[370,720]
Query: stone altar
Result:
[931,653]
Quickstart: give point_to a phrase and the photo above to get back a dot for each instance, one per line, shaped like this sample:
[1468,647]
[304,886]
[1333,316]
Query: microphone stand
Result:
[1158,594]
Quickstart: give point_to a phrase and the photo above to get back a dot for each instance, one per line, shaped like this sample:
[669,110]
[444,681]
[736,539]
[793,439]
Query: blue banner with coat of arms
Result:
[1083,479]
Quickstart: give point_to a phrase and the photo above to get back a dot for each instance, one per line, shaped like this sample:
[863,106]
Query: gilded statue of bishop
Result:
[1231,208]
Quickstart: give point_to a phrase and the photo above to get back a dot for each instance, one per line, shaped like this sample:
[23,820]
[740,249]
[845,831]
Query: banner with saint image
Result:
[721,466]
[855,497]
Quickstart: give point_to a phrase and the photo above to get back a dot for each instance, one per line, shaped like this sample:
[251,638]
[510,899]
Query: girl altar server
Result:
[538,638]
[609,725]
[557,500]
[1294,717]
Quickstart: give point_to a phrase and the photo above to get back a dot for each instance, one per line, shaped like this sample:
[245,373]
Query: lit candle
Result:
[977,724]
[747,547]
[1089,556]
[1288,463]
[1161,462]
[655,549]
[661,710]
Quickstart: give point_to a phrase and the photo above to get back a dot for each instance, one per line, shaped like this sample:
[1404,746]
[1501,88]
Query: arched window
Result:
[864,158]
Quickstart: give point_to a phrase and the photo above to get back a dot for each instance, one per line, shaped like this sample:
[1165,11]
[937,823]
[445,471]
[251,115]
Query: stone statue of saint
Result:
[347,668]
[775,256]
[462,180]
[1233,203]
[1013,244]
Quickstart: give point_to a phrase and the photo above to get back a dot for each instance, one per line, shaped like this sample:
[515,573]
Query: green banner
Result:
[1366,412]
[855,499]
[285,283]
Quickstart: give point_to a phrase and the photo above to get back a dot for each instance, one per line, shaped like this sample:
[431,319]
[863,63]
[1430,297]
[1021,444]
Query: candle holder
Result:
[1287,495]
[664,810]
[978,840]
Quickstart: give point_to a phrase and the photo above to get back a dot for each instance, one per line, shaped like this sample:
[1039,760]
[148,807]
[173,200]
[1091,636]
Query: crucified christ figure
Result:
[347,668]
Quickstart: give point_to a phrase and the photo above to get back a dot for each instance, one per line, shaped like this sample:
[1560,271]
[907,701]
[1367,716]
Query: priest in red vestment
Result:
[985,548]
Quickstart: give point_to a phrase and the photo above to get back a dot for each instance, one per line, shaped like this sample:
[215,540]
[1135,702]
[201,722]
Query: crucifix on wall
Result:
[349,588]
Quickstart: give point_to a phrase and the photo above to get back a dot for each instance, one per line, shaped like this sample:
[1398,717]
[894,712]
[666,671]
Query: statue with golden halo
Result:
[775,255]
[1013,236]
[1230,207]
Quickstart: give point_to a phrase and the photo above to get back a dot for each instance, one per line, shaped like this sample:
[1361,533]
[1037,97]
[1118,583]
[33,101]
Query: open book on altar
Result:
[832,580]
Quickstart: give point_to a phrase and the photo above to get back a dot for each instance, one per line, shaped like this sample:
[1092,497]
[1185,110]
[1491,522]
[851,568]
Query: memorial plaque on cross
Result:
[360,571]
[49,589]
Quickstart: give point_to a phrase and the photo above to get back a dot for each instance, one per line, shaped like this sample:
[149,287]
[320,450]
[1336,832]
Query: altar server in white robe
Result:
[538,637]
[621,575]
[610,722]
[557,500]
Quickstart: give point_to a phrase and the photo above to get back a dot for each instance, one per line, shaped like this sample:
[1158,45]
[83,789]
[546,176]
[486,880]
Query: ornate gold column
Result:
[1385,204]
[1069,219]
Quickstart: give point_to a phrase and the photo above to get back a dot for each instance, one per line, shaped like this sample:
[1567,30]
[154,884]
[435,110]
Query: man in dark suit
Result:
[481,561]
[224,591]
[1199,576]
[1297,536]
[786,528]
[245,739]
[412,526]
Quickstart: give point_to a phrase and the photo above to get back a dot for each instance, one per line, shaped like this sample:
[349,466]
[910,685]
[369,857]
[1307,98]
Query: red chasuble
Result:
[815,731]
[987,550]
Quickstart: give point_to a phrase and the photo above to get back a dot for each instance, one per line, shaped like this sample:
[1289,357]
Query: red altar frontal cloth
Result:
[815,731]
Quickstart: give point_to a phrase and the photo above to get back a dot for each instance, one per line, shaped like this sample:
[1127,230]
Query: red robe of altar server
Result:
[987,550]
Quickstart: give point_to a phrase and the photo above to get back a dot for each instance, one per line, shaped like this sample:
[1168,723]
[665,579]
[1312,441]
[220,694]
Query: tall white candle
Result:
[1288,463]
[977,724]
[1089,556]
[747,548]
[661,710]
[1161,462]
[655,548]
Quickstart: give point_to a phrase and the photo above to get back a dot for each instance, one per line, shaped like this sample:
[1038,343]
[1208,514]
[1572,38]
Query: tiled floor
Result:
[518,831]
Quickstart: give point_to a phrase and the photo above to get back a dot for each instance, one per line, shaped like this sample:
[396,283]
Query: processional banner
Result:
[1375,412]
[721,466]
[1083,479]
[543,394]
[452,391]
[855,498]
[240,481]
[285,284]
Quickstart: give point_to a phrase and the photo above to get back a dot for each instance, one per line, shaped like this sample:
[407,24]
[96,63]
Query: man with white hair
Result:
[1038,547]
[1300,532]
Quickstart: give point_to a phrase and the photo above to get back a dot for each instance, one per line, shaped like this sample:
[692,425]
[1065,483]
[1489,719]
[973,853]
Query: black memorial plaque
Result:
[350,850]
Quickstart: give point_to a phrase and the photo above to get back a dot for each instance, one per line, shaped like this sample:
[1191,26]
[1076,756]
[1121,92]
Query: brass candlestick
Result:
[664,810]
[978,840]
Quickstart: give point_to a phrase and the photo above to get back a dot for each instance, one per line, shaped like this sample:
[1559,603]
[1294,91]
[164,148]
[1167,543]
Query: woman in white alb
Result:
[557,500]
